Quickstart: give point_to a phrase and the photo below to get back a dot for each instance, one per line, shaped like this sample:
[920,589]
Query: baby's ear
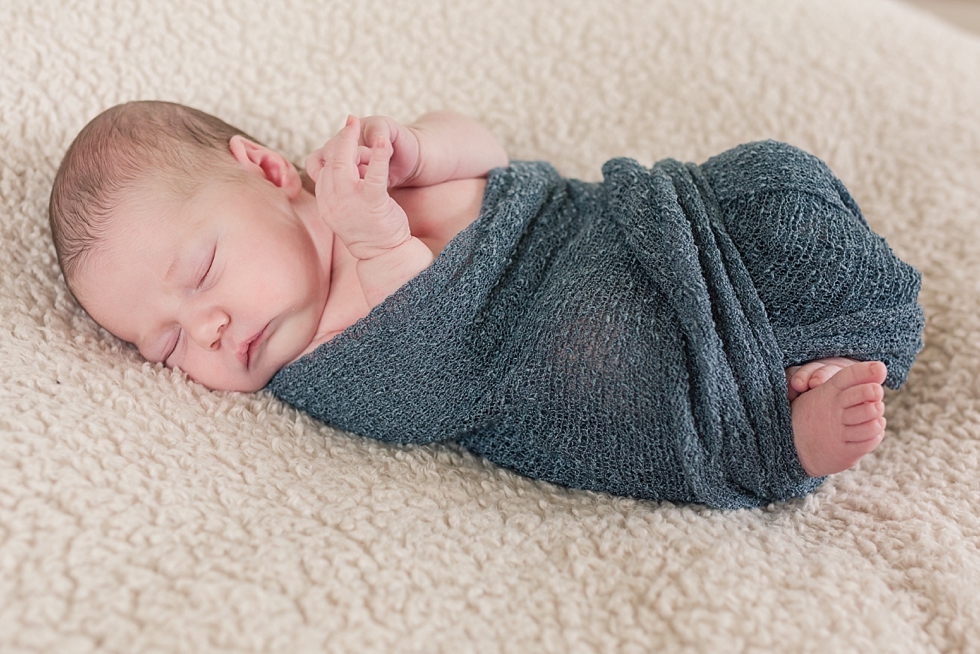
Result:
[271,165]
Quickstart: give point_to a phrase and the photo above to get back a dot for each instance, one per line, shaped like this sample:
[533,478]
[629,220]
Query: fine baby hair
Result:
[120,149]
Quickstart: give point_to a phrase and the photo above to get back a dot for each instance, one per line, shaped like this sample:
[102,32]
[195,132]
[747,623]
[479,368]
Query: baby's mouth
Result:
[248,347]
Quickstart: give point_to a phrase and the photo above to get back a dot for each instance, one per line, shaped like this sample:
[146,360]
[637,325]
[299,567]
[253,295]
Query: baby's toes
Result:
[865,372]
[821,375]
[865,436]
[801,375]
[796,381]
[861,394]
[862,413]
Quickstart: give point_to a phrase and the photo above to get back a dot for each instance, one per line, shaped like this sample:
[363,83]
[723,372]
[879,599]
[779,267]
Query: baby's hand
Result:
[352,191]
[405,159]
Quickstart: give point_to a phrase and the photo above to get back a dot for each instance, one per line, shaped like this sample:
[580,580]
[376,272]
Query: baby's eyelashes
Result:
[203,276]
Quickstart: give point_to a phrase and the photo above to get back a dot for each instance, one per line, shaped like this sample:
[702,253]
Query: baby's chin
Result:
[249,384]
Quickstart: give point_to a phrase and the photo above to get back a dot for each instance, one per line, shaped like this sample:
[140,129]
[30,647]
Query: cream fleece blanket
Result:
[142,513]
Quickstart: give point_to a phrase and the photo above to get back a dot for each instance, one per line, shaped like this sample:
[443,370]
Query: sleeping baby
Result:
[717,333]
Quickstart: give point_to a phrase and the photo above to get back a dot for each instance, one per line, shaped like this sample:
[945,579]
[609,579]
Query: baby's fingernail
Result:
[350,120]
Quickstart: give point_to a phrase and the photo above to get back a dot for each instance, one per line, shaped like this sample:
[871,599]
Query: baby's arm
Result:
[352,198]
[438,147]
[354,170]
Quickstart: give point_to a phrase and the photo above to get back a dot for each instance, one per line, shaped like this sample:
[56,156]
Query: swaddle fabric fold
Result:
[628,336]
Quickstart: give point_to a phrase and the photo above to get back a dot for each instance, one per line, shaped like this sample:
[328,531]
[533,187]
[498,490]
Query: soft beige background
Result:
[141,513]
[964,14]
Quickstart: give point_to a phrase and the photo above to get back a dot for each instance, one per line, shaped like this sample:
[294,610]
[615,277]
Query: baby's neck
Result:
[345,303]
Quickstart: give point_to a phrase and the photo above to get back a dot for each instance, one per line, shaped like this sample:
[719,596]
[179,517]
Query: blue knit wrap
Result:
[630,335]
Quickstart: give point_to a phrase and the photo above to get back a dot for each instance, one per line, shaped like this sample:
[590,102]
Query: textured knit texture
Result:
[611,337]
[140,512]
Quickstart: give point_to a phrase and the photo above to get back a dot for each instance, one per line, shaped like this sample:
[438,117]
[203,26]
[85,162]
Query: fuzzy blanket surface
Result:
[141,513]
[628,336]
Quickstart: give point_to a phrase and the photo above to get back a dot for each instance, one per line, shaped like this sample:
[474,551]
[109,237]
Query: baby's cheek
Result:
[204,372]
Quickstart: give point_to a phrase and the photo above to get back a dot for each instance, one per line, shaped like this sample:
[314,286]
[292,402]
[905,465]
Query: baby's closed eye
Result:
[206,269]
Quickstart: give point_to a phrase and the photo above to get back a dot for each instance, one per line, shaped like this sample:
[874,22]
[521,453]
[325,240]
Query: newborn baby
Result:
[716,333]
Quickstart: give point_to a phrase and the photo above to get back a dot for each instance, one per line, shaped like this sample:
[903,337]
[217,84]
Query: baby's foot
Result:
[800,379]
[841,418]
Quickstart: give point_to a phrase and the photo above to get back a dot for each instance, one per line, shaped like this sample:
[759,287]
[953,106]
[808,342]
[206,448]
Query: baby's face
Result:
[228,286]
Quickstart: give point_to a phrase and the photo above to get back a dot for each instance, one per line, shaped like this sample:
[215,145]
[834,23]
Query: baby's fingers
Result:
[338,161]
[342,150]
[363,159]
[376,174]
[375,127]
[314,164]
[330,150]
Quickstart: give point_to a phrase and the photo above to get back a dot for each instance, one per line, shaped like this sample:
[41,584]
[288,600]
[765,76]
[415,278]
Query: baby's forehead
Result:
[148,203]
[154,218]
[131,257]
[146,220]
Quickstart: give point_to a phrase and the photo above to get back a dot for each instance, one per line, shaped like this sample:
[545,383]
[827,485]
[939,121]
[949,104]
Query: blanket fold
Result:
[627,336]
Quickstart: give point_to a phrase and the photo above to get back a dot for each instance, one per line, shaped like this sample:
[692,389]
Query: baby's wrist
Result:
[388,270]
[371,250]
[410,178]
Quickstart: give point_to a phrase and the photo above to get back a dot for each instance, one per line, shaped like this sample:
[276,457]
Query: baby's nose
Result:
[209,329]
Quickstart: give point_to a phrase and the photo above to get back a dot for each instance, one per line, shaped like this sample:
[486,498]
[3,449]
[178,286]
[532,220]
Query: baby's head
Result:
[180,234]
